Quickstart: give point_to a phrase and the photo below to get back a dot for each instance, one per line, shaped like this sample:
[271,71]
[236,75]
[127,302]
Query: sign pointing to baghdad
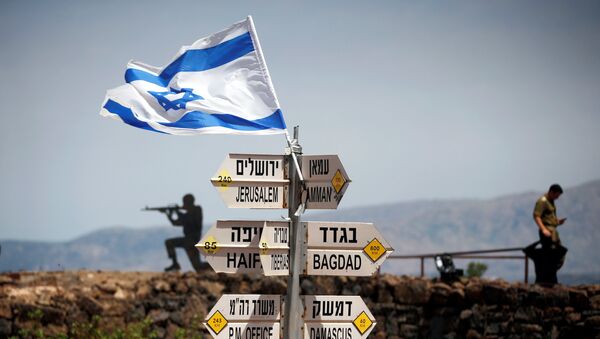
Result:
[234,246]
[245,316]
[344,248]
[253,181]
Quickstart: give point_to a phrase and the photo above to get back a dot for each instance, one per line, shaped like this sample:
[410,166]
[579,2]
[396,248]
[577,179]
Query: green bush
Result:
[476,269]
[92,330]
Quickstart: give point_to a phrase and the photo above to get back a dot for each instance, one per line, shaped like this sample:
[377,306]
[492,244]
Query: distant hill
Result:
[411,228]
[115,248]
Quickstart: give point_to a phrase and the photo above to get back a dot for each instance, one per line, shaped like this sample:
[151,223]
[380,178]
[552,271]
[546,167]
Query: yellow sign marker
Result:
[362,322]
[264,248]
[374,250]
[338,181]
[217,322]
[223,180]
[210,245]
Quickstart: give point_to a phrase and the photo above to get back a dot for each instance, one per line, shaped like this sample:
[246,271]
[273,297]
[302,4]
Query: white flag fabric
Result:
[219,84]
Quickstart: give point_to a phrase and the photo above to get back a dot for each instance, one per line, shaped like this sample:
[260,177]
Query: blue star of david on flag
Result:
[188,95]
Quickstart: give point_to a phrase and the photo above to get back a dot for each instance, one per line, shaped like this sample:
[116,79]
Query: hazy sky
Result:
[420,99]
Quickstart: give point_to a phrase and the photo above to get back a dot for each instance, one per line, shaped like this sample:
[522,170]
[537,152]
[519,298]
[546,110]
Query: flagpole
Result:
[291,144]
[294,310]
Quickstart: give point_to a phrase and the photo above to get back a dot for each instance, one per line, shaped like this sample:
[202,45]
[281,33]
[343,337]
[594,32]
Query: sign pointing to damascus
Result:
[327,316]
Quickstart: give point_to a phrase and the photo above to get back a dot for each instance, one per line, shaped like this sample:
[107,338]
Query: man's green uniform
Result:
[546,210]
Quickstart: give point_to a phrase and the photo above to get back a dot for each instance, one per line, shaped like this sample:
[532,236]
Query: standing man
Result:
[191,221]
[552,254]
[545,218]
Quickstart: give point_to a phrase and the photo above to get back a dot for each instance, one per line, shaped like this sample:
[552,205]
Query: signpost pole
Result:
[293,305]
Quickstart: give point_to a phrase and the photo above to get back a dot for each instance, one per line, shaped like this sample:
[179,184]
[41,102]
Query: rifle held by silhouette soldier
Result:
[163,209]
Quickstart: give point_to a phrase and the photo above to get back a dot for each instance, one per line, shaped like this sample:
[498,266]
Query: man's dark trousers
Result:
[189,246]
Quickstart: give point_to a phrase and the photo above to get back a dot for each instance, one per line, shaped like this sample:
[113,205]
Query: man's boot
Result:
[174,267]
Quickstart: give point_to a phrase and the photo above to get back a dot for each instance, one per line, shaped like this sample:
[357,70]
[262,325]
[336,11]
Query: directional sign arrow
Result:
[253,181]
[328,316]
[344,248]
[245,316]
[326,181]
[233,246]
[274,249]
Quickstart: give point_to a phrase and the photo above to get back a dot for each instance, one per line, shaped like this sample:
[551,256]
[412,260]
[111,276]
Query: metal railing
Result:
[472,255]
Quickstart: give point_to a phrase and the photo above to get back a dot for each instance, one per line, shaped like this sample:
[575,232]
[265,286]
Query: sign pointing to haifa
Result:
[245,316]
[344,248]
[233,246]
[328,316]
[253,181]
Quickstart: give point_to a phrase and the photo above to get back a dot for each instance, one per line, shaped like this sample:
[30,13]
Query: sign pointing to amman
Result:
[326,181]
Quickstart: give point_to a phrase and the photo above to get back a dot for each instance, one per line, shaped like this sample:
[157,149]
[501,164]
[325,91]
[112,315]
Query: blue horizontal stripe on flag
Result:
[132,74]
[195,60]
[198,119]
[127,115]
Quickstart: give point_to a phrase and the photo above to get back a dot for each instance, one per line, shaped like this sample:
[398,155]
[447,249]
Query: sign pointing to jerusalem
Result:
[328,316]
[245,316]
[344,248]
[326,181]
[253,181]
[233,246]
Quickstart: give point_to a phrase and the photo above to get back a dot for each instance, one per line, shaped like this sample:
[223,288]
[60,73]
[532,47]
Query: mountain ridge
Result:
[414,227]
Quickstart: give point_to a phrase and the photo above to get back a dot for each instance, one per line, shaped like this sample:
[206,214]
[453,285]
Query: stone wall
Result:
[76,303]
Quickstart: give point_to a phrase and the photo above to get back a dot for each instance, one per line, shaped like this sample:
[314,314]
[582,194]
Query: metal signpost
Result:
[293,182]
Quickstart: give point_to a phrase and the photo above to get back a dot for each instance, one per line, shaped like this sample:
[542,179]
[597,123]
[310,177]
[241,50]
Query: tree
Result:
[476,269]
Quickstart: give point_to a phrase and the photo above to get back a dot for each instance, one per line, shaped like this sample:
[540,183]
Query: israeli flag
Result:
[219,84]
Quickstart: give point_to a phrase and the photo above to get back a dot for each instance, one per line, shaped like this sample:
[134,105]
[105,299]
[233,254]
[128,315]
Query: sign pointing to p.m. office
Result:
[245,316]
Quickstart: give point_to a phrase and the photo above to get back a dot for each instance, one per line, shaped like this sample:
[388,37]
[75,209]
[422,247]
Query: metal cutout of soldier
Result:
[191,222]
[551,256]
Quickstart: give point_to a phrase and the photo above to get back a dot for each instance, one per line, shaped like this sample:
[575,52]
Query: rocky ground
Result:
[85,304]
